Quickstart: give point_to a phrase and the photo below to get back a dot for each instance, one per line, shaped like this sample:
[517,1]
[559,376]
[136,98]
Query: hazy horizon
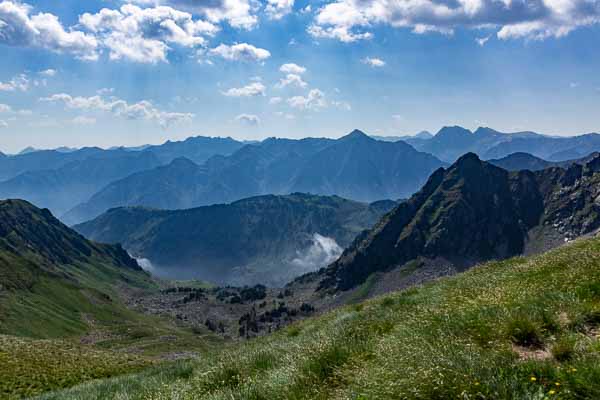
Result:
[17,150]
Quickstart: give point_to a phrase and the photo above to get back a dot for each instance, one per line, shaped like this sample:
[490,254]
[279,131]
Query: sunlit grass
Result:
[517,329]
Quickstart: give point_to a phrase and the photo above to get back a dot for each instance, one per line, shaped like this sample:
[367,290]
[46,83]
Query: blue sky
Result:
[109,73]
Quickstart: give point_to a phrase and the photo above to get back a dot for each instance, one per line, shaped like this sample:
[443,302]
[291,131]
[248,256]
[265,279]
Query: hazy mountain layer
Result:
[520,161]
[63,188]
[452,142]
[354,166]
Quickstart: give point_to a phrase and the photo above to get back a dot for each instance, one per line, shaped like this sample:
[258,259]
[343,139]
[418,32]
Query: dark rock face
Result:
[473,212]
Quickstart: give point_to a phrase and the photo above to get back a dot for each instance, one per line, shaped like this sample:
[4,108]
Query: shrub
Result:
[524,332]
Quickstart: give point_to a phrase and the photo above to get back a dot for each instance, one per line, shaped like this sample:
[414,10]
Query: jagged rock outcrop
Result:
[472,212]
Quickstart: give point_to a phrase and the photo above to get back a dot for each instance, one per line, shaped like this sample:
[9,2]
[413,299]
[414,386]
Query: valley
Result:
[332,285]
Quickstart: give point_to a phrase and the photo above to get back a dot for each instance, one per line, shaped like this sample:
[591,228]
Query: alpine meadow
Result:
[299,199]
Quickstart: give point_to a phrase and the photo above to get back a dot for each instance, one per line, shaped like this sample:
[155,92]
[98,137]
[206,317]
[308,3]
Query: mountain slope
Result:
[50,275]
[473,212]
[267,239]
[524,328]
[356,166]
[62,189]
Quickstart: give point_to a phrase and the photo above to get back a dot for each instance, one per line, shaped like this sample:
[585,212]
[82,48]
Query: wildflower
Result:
[476,383]
[557,383]
[533,379]
[551,392]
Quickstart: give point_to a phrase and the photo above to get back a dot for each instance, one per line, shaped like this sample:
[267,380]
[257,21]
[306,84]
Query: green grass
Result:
[517,329]
[29,367]
[72,304]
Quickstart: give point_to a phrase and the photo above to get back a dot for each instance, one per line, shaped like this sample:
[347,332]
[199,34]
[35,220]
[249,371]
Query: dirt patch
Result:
[527,354]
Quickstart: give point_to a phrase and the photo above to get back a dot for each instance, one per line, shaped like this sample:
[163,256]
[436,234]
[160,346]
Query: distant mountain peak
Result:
[453,130]
[484,130]
[424,135]
[28,150]
[356,134]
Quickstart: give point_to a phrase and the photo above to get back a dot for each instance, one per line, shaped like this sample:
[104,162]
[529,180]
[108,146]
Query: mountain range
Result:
[469,213]
[61,179]
[202,171]
[355,166]
[451,142]
[267,239]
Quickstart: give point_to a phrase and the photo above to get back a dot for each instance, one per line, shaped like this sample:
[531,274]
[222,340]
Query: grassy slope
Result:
[521,328]
[76,304]
[44,304]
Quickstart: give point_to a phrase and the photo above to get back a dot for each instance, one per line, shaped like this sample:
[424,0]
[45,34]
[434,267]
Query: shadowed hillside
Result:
[266,239]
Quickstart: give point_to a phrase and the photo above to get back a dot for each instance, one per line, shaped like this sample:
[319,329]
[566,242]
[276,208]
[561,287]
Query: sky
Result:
[112,72]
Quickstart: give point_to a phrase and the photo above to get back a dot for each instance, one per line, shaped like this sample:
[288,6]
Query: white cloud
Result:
[105,91]
[248,119]
[315,100]
[145,34]
[292,80]
[351,20]
[83,120]
[275,100]
[483,40]
[342,105]
[574,85]
[240,52]
[6,109]
[250,90]
[3,124]
[373,62]
[20,28]
[341,33]
[306,10]
[238,13]
[277,9]
[322,252]
[143,110]
[18,83]
[292,68]
[49,73]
